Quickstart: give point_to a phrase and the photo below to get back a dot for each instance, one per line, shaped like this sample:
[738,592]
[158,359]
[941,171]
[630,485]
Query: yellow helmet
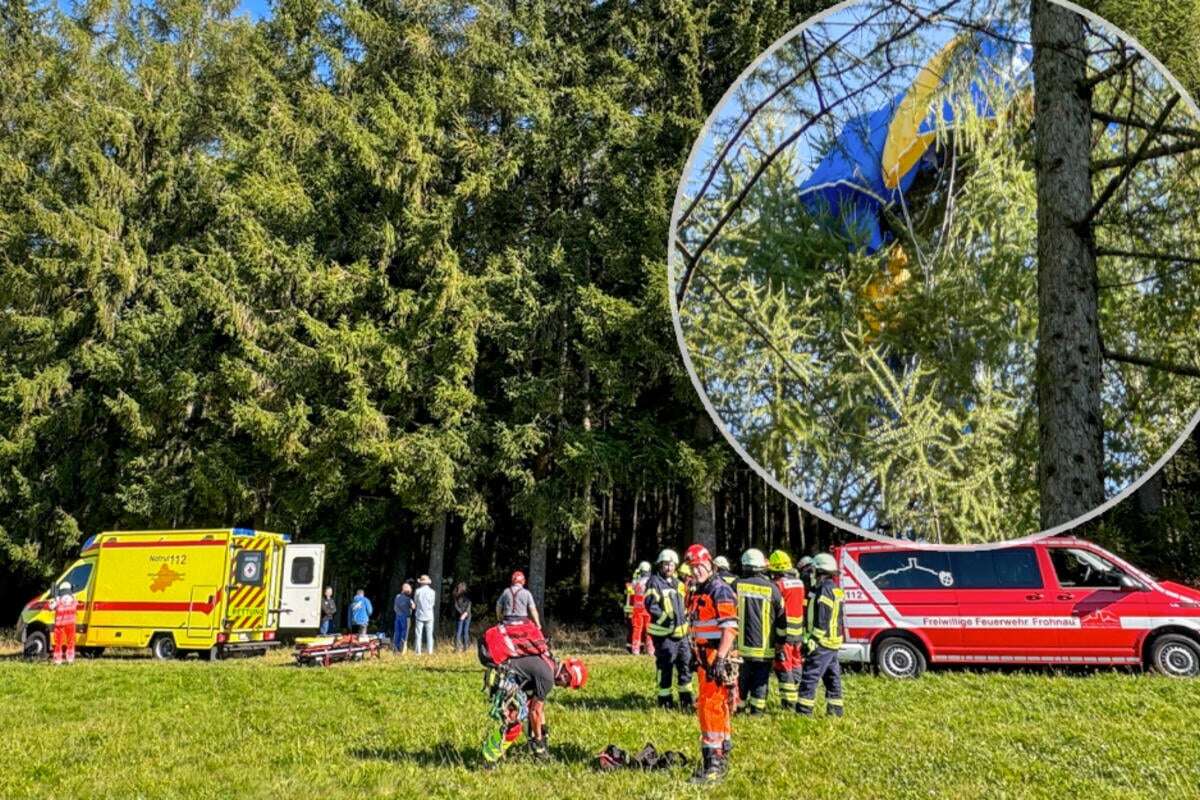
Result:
[779,561]
[685,570]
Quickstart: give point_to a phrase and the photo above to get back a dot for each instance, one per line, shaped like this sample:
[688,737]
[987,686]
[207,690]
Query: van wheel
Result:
[897,657]
[211,654]
[1175,656]
[37,646]
[163,647]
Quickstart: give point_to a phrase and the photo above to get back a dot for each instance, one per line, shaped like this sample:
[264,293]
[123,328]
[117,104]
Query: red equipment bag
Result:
[508,640]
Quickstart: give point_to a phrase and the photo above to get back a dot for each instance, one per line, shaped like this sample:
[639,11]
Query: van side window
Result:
[303,571]
[1083,570]
[78,578]
[908,569]
[1010,568]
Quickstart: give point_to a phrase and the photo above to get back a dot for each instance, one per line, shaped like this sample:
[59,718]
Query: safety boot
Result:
[711,769]
[685,703]
[665,701]
[540,749]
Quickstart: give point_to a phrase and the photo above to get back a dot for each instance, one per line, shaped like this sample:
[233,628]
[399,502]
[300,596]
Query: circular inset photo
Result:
[935,267]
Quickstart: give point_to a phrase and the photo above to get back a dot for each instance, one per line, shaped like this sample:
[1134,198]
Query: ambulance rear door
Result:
[300,599]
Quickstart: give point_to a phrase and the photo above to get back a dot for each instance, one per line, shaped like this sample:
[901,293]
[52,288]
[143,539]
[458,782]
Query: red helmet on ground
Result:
[697,554]
[576,672]
[518,577]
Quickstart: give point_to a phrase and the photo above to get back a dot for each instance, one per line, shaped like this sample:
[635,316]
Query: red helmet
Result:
[518,577]
[697,554]
[576,672]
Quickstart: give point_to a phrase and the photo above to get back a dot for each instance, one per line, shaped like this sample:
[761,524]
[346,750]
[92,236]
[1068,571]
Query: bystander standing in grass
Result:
[462,607]
[328,611]
[403,606]
[360,612]
[424,611]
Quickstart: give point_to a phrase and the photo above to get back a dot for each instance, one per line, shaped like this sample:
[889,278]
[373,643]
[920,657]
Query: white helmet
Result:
[823,562]
[644,568]
[721,562]
[754,559]
[669,556]
[65,586]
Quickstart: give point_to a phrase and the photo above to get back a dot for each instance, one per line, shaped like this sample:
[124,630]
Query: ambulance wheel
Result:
[1175,656]
[898,657]
[211,654]
[37,646]
[163,647]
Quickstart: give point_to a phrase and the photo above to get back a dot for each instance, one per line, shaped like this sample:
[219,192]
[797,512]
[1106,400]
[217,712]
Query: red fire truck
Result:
[1059,601]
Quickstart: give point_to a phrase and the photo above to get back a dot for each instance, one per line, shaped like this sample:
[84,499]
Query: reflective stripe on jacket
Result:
[825,623]
[666,606]
[759,613]
[712,607]
[793,590]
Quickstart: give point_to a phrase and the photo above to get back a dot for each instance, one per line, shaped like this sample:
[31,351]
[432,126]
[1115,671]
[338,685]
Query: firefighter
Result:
[64,607]
[520,674]
[668,629]
[760,613]
[805,571]
[789,639]
[724,572]
[636,615]
[712,622]
[824,631]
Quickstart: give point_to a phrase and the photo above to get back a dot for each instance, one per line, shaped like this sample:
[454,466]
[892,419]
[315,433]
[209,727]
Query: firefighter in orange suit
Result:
[712,622]
[635,611]
[64,607]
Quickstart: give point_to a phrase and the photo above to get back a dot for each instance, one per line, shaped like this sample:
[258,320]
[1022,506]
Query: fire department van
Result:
[211,592]
[1057,601]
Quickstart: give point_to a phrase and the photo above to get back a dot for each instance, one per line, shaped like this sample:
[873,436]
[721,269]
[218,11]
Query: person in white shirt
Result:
[424,611]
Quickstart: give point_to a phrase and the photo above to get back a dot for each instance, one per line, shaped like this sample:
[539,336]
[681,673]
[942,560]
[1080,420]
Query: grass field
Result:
[411,727]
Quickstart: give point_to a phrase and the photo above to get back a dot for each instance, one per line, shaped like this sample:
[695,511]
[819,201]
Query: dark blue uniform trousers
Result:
[821,666]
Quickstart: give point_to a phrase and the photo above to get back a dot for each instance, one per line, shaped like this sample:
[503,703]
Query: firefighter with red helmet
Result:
[712,621]
[636,615]
[65,607]
[666,605]
[760,614]
[824,632]
[789,638]
[520,672]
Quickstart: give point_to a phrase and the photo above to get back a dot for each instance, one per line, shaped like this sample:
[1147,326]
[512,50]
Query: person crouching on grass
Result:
[519,674]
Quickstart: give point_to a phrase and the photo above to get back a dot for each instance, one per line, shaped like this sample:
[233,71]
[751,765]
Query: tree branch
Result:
[809,69]
[1138,157]
[1113,69]
[1173,149]
[1117,119]
[1185,370]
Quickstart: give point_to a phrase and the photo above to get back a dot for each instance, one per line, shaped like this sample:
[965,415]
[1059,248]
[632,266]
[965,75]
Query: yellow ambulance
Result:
[210,592]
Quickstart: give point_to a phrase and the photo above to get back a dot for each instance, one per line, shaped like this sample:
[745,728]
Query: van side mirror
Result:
[1128,584]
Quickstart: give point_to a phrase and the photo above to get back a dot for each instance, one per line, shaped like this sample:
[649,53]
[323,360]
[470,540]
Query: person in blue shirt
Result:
[360,612]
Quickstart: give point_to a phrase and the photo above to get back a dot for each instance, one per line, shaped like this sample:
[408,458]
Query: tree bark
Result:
[704,522]
[437,553]
[537,567]
[1069,358]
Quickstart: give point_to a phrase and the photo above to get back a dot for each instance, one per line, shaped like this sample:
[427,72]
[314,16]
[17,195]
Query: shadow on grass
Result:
[640,701]
[448,754]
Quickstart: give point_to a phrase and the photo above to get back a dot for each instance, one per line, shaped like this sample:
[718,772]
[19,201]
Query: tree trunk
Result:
[437,552]
[585,540]
[1070,421]
[537,566]
[704,522]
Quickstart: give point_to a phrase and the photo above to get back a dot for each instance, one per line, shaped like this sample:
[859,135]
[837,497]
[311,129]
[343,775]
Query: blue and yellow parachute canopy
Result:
[878,156]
